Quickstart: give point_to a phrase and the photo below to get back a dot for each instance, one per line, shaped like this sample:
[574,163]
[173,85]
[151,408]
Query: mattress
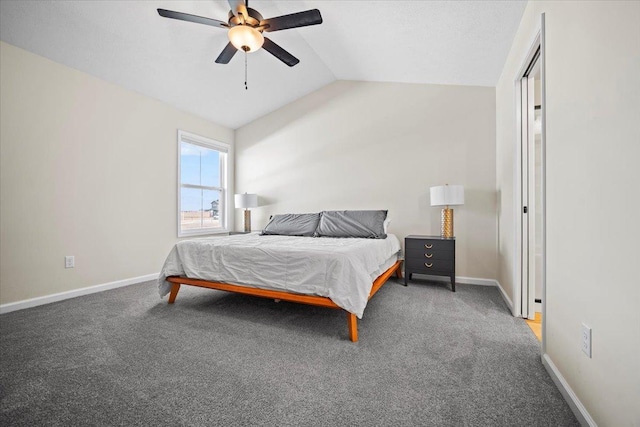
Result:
[342,269]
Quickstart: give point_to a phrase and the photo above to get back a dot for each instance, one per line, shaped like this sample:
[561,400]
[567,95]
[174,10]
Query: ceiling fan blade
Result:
[226,54]
[192,18]
[294,20]
[279,53]
[239,7]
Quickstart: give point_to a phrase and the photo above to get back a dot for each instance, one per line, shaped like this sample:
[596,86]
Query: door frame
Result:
[521,297]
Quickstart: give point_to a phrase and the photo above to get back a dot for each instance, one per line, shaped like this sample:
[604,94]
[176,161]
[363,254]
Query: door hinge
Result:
[524,209]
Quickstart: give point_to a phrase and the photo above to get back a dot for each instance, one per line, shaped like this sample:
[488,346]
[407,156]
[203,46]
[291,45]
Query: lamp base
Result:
[446,230]
[247,220]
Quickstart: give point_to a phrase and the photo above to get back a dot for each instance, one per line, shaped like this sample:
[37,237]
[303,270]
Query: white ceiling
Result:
[128,43]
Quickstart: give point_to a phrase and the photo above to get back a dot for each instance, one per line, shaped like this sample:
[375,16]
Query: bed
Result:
[340,273]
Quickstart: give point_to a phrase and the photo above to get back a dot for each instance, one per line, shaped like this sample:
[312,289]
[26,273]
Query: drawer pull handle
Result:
[428,255]
[428,246]
[428,265]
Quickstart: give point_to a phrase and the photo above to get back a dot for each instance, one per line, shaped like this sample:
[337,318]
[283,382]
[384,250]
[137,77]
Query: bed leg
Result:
[399,271]
[175,287]
[352,320]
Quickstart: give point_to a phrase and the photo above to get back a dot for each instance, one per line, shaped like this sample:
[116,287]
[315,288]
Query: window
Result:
[203,176]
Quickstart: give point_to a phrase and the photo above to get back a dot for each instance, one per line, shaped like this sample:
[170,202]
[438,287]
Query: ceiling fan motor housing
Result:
[253,20]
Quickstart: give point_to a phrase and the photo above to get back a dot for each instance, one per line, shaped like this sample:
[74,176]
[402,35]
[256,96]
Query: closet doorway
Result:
[530,165]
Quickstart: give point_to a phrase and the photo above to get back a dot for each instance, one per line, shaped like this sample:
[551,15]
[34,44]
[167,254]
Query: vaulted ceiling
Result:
[128,43]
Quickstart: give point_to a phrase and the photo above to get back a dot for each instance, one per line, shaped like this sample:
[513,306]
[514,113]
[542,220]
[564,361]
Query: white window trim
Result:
[225,178]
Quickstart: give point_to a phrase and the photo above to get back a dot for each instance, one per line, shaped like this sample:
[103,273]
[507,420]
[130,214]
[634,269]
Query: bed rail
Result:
[352,320]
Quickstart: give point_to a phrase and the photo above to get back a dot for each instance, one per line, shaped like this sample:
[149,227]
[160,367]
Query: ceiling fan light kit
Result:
[245,27]
[246,38]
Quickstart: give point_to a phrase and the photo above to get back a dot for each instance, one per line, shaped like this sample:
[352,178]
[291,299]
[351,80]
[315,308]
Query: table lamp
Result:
[246,201]
[447,195]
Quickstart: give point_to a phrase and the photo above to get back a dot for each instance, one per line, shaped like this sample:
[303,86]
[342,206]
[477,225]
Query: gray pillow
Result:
[292,224]
[367,224]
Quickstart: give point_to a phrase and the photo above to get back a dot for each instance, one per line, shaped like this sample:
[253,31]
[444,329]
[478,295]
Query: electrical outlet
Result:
[69,261]
[586,340]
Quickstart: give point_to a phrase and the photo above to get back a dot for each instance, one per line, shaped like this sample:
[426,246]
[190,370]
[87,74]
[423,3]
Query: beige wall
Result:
[87,169]
[593,147]
[356,145]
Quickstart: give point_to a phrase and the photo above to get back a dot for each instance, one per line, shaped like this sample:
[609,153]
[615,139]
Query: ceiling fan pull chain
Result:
[245,71]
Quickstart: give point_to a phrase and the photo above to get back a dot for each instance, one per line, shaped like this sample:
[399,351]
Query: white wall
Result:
[593,147]
[87,169]
[356,145]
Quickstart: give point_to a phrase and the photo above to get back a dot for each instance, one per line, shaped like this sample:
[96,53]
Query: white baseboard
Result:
[506,298]
[574,403]
[476,281]
[460,279]
[47,299]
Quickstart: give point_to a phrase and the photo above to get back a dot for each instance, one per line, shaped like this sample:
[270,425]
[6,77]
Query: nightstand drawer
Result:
[428,254]
[426,266]
[429,245]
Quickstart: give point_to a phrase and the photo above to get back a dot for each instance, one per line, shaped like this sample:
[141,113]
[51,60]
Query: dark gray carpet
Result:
[426,357]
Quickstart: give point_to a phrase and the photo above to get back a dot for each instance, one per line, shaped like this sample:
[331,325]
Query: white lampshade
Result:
[244,35]
[447,195]
[246,200]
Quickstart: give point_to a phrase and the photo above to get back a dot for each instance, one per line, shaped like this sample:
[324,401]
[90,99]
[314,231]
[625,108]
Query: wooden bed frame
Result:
[352,320]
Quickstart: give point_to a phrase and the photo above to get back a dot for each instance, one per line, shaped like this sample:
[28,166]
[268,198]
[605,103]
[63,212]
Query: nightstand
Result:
[433,255]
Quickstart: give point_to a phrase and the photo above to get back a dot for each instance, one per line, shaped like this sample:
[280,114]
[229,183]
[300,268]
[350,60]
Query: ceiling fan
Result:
[245,27]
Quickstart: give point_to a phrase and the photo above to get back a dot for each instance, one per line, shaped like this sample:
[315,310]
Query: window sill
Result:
[199,233]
